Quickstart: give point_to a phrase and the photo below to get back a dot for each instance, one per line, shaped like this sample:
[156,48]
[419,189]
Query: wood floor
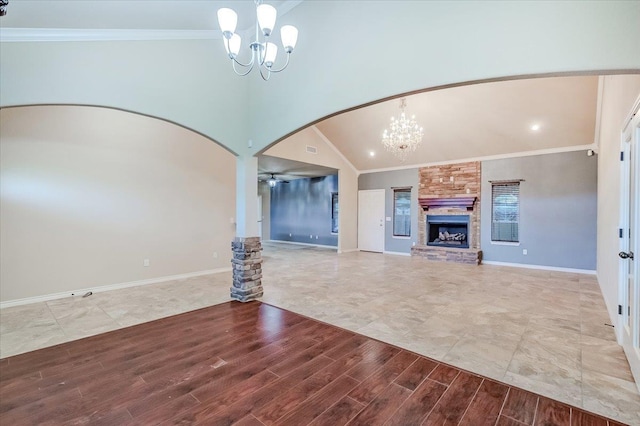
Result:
[254,364]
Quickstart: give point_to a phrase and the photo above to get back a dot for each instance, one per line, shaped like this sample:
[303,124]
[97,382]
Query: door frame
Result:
[260,218]
[630,341]
[383,210]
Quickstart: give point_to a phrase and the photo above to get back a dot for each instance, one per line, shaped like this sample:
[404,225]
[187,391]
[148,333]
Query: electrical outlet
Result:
[310,236]
[145,263]
[215,254]
[316,237]
[525,252]
[289,233]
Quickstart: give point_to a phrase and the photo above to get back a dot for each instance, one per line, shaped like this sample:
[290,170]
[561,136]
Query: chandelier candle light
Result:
[404,135]
[263,52]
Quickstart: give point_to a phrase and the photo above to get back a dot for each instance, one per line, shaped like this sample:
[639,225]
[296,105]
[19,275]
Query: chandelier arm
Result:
[248,67]
[284,66]
[250,64]
[259,48]
[233,59]
[262,49]
[268,73]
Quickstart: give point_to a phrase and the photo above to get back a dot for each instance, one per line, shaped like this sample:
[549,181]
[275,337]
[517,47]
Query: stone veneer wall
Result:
[466,183]
[247,269]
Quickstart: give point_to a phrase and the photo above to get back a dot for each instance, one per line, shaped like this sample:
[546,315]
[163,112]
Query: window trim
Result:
[393,227]
[515,183]
[336,218]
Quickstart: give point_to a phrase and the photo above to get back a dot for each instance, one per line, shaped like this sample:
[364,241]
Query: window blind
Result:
[402,212]
[505,211]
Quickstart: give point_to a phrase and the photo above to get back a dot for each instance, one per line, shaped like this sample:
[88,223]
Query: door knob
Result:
[624,255]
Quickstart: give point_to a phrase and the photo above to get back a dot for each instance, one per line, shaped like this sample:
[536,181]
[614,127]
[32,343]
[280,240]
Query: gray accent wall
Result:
[301,211]
[388,181]
[558,210]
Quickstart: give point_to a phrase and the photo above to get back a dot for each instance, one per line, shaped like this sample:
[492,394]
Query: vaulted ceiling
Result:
[475,121]
[466,122]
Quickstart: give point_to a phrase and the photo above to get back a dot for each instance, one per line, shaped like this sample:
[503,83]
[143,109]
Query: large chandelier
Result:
[263,52]
[404,135]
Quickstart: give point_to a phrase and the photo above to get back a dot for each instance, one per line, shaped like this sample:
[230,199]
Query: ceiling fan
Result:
[272,180]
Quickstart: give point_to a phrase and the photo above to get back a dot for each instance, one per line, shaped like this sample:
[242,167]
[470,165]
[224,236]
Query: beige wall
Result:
[619,93]
[294,148]
[88,193]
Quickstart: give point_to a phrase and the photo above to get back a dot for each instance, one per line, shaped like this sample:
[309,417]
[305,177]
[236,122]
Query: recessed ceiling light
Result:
[535,127]
[372,153]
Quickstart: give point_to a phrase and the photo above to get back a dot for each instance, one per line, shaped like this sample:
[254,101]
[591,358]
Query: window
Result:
[402,212]
[505,211]
[334,212]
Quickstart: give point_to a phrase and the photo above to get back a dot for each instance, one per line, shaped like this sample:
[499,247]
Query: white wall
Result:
[618,96]
[188,81]
[294,148]
[87,193]
[349,53]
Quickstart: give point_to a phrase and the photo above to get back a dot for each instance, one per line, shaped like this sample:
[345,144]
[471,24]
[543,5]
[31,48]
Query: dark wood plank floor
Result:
[254,364]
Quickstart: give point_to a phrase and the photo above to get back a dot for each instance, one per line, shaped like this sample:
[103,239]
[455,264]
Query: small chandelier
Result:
[263,52]
[404,135]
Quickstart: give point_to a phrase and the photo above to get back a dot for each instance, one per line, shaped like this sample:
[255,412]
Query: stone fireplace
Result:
[449,222]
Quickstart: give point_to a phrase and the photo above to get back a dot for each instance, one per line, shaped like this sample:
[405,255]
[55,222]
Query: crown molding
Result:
[10,35]
[557,150]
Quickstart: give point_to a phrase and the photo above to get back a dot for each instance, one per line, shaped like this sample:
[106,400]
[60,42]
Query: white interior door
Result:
[371,220]
[630,244]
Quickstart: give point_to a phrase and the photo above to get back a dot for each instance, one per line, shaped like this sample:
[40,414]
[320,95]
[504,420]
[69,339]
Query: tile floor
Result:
[539,330]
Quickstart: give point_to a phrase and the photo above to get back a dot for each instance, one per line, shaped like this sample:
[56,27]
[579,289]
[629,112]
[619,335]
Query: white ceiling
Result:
[288,170]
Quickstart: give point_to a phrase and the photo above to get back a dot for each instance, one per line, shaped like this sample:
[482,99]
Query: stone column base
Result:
[247,269]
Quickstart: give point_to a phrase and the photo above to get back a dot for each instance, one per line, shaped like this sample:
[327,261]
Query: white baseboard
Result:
[348,251]
[397,253]
[542,267]
[302,244]
[99,289]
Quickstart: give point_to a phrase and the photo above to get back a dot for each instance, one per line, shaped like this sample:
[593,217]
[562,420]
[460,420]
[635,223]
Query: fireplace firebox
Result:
[448,231]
